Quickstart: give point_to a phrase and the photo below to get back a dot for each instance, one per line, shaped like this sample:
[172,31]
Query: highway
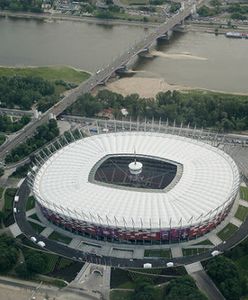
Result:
[63,250]
[99,77]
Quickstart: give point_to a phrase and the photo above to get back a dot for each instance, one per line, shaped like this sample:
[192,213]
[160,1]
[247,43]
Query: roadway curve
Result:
[78,255]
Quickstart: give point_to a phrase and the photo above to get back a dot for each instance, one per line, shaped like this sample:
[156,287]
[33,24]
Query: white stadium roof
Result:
[210,179]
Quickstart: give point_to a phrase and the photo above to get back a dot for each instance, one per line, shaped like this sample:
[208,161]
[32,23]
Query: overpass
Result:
[101,76]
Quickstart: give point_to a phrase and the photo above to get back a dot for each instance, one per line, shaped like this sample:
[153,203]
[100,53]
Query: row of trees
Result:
[226,276]
[8,124]
[23,91]
[35,263]
[8,253]
[44,134]
[220,111]
[22,5]
[182,288]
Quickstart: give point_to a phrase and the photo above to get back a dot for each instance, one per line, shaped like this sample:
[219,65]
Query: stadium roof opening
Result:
[113,170]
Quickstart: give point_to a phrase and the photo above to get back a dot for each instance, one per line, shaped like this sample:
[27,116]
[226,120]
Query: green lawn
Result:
[205,242]
[193,251]
[128,295]
[52,260]
[135,2]
[121,295]
[35,217]
[242,213]
[51,73]
[158,253]
[56,236]
[9,198]
[30,203]
[1,192]
[64,262]
[38,228]
[244,193]
[2,139]
[227,231]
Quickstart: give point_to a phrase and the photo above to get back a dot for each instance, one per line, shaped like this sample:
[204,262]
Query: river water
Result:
[191,59]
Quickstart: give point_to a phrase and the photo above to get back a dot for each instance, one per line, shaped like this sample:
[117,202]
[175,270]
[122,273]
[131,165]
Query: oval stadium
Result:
[136,187]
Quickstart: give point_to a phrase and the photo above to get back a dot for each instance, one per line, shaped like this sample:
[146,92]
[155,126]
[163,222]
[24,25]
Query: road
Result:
[98,78]
[78,255]
[205,284]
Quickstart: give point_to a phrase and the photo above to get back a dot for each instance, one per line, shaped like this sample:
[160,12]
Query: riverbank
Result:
[150,87]
[51,73]
[61,17]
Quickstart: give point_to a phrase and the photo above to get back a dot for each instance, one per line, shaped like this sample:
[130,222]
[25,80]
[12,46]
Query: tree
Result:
[36,263]
[225,275]
[183,288]
[143,290]
[8,253]
[22,271]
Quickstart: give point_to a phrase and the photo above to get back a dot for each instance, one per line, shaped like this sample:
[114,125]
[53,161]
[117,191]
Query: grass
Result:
[193,251]
[56,236]
[1,192]
[205,242]
[54,281]
[121,295]
[30,203]
[37,227]
[34,217]
[121,279]
[9,198]
[227,231]
[128,295]
[242,213]
[51,262]
[50,73]
[244,193]
[64,262]
[135,2]
[158,253]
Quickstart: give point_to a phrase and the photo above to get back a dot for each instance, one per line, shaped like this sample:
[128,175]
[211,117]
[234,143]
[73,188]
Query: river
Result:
[191,59]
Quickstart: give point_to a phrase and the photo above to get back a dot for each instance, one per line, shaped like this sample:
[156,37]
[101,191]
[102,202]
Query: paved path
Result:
[236,221]
[203,281]
[176,251]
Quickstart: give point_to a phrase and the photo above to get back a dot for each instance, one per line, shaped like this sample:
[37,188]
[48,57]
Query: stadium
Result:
[136,187]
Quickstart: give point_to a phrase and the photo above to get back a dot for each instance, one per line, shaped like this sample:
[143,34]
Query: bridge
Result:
[101,76]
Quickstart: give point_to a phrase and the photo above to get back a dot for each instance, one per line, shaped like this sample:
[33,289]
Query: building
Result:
[136,187]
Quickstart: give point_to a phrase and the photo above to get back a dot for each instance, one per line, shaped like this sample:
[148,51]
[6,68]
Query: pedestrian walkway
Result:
[214,239]
[176,252]
[15,230]
[243,203]
[46,232]
[236,222]
[30,212]
[203,281]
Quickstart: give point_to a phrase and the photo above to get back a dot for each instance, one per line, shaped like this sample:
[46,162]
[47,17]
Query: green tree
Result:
[225,275]
[143,290]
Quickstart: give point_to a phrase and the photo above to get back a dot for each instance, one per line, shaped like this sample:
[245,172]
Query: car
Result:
[215,253]
[33,239]
[41,244]
[170,264]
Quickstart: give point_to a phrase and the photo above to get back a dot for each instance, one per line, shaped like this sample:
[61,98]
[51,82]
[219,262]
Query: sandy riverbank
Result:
[149,87]
[145,87]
